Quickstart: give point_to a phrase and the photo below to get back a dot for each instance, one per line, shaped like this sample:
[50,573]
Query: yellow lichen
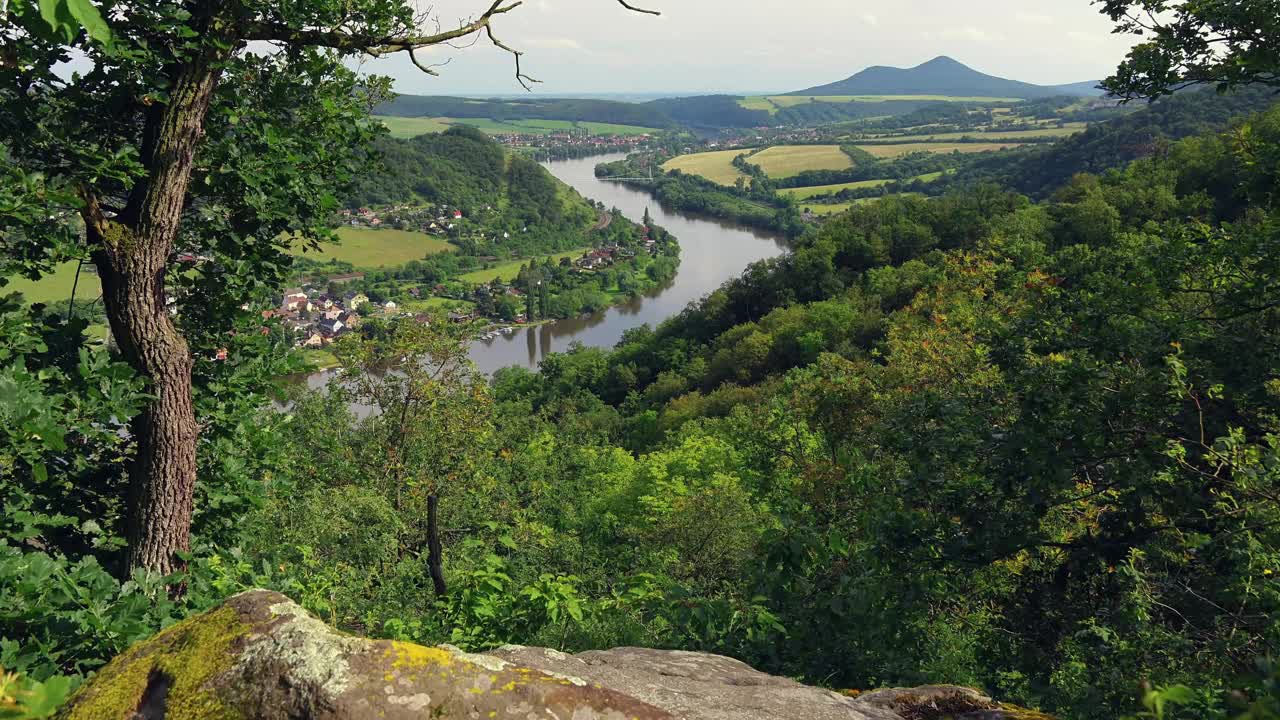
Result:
[190,654]
[408,655]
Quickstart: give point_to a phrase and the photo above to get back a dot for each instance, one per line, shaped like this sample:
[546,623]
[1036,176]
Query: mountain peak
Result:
[942,61]
[942,75]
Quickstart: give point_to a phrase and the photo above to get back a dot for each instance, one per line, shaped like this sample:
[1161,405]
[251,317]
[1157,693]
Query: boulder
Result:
[698,686]
[260,655]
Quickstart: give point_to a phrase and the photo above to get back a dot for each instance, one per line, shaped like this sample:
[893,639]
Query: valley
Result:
[671,360]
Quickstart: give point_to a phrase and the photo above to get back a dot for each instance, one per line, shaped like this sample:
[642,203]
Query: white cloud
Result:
[870,19]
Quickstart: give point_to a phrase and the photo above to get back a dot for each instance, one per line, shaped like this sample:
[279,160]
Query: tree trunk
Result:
[132,253]
[435,552]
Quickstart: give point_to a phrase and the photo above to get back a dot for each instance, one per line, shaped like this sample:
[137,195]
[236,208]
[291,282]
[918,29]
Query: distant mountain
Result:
[941,76]
[526,108]
[1088,88]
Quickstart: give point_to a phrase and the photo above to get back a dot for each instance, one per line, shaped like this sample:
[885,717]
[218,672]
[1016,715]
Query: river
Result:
[711,252]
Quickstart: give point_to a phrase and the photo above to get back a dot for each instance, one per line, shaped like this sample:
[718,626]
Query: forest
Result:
[1023,436]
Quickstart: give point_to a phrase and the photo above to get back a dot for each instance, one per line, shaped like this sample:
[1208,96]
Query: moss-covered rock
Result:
[262,656]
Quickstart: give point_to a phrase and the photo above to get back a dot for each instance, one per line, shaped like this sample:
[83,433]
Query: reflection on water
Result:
[711,252]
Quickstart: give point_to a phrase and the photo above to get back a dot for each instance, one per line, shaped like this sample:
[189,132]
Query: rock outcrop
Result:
[260,655]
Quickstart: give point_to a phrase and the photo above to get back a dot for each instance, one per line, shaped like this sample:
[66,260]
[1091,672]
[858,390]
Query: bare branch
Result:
[633,8]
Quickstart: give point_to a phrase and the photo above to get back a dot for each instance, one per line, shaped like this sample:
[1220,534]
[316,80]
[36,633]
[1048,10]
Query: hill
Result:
[573,109]
[941,76]
[1116,142]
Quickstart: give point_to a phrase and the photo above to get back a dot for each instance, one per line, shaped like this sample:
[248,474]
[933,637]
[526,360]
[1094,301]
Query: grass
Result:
[56,285]
[995,135]
[825,209]
[716,166]
[787,160]
[599,128]
[407,127]
[889,151]
[509,271]
[803,193]
[368,248]
[317,360]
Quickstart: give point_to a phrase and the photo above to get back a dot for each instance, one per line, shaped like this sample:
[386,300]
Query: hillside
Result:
[1116,142]
[576,109]
[462,167]
[941,76]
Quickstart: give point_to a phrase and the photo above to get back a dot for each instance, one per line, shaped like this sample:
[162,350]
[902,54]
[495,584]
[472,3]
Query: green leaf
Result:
[91,19]
[40,473]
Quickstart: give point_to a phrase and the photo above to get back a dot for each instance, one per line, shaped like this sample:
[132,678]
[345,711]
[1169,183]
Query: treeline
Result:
[574,109]
[752,203]
[1120,140]
[1031,447]
[464,168]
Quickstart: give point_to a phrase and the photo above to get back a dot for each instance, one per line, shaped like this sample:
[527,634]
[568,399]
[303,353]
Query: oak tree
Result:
[215,131]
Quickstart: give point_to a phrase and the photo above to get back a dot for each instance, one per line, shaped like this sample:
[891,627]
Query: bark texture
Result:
[132,255]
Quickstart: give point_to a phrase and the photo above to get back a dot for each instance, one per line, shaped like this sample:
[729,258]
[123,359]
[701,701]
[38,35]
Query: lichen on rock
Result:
[261,656]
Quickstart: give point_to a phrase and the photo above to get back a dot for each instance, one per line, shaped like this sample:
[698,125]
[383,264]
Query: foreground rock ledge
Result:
[260,655]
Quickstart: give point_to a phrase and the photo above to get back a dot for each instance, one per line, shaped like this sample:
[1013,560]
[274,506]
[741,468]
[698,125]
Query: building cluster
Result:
[430,219]
[571,139]
[318,319]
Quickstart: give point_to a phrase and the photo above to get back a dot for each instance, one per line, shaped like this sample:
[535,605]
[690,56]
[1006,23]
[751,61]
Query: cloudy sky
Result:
[764,45]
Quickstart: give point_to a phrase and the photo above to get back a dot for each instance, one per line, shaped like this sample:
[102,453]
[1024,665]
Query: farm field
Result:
[823,210]
[368,248]
[716,166]
[994,135]
[407,127]
[787,160]
[896,150]
[803,193]
[56,285]
[509,271]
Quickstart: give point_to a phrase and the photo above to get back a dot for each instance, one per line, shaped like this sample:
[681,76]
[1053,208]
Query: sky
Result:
[749,46]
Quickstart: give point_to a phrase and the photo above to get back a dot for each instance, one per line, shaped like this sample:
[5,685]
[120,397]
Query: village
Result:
[321,309]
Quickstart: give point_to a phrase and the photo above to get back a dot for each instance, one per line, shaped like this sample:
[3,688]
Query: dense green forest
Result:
[935,415]
[1041,170]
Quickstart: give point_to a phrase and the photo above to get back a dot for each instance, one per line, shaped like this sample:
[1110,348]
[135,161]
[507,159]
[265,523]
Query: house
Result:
[333,313]
[390,306]
[355,300]
[294,299]
[457,215]
[330,328]
[313,340]
[350,319]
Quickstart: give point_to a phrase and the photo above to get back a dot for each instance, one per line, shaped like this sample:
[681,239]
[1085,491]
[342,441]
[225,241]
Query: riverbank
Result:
[749,205]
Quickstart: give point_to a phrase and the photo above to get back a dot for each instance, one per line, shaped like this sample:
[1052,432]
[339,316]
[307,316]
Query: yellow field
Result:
[715,166]
[884,151]
[802,193]
[787,160]
[368,248]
